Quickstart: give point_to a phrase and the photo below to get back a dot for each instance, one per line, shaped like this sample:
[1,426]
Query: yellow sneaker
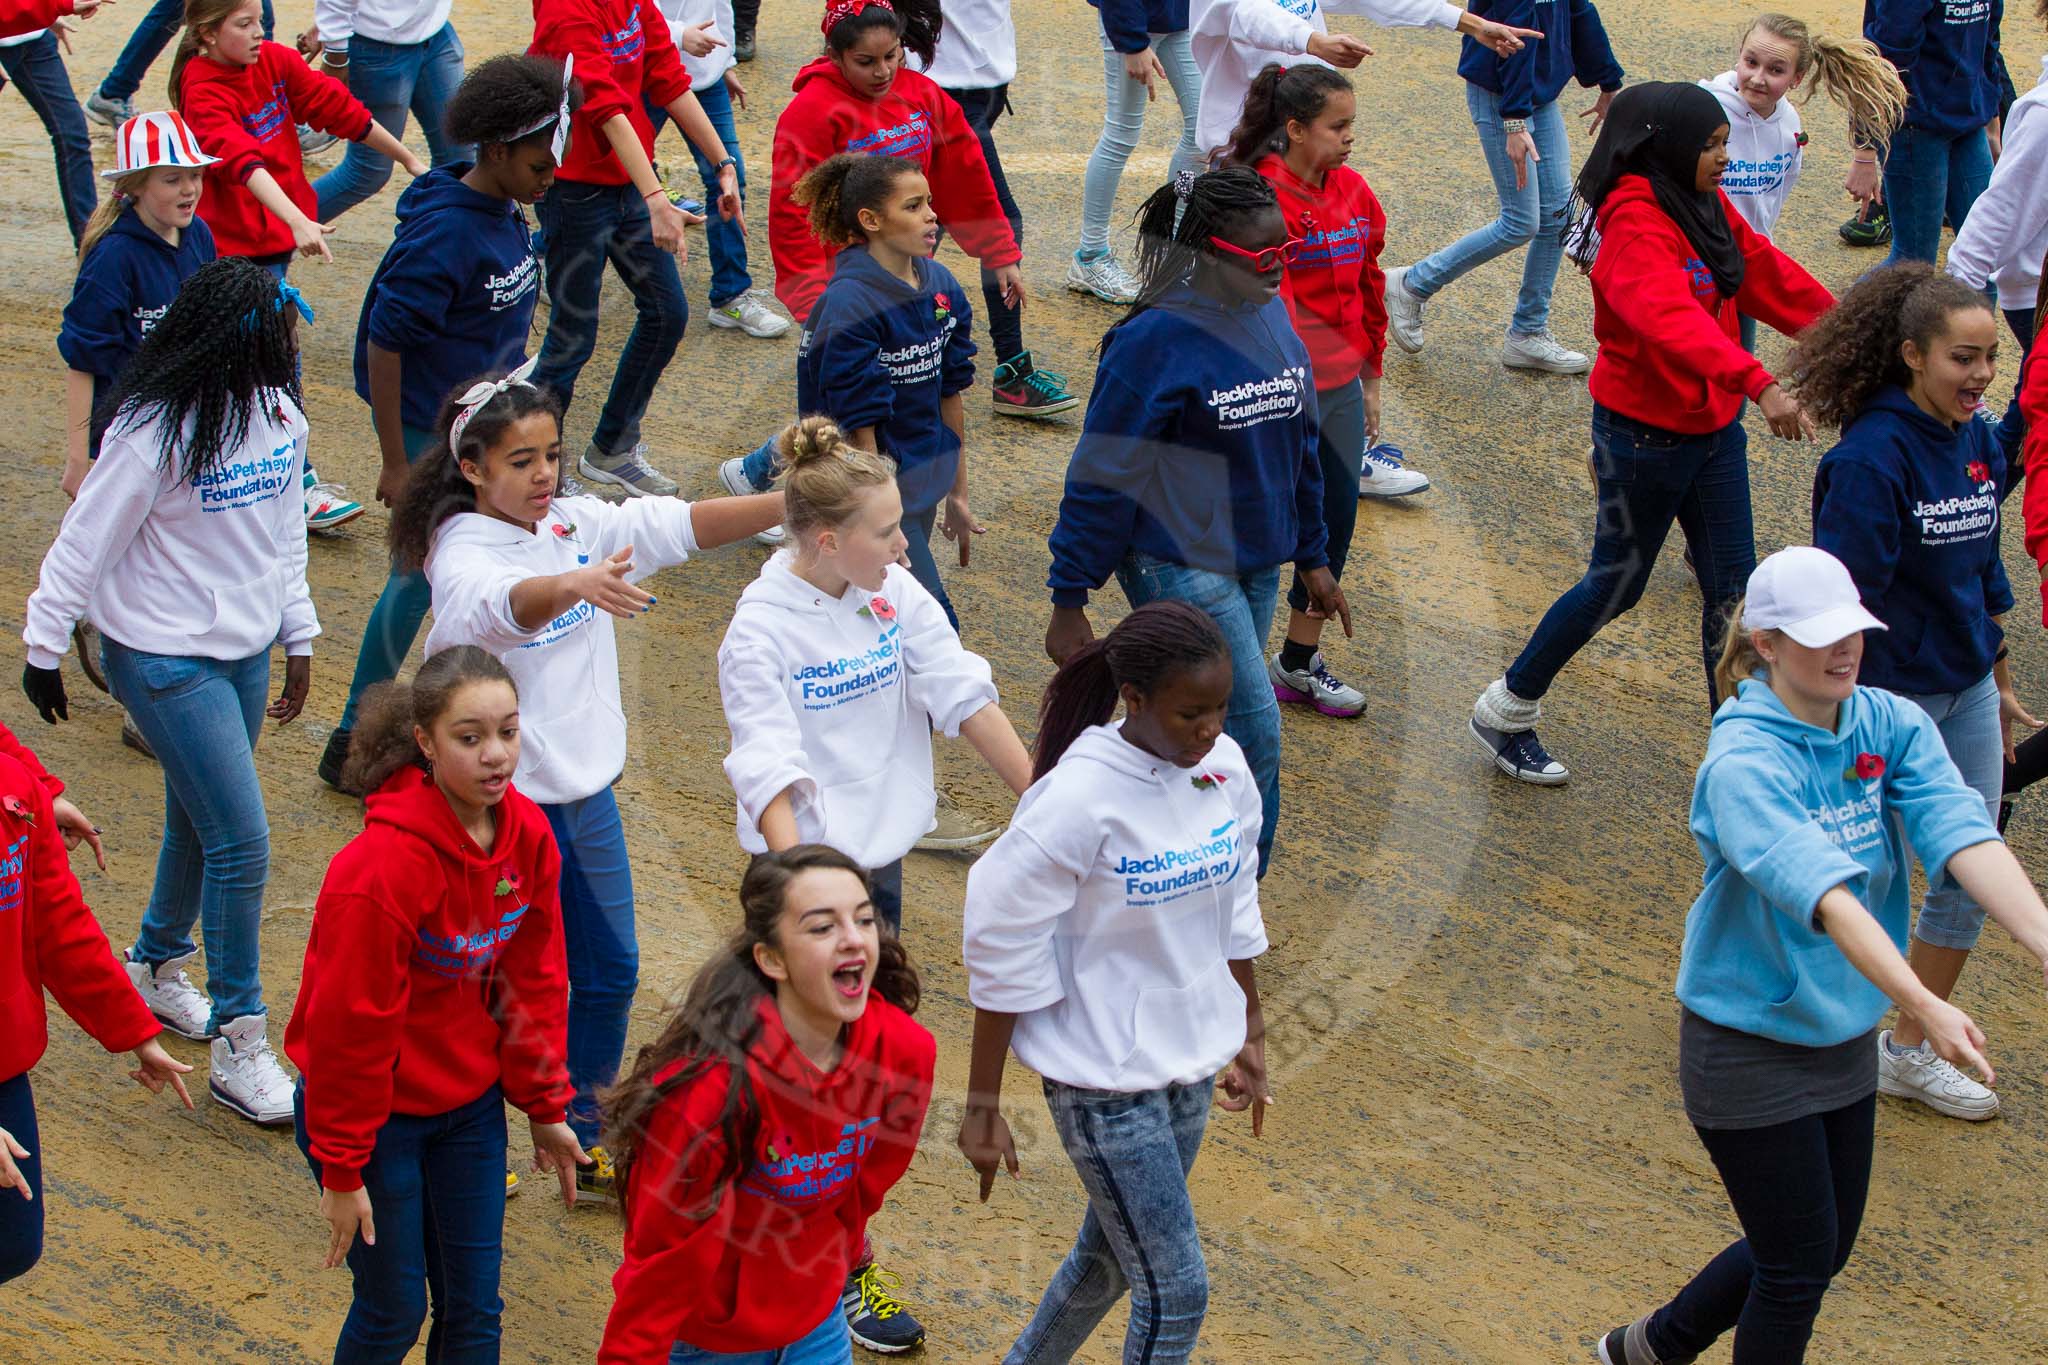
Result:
[594,1183]
[511,1183]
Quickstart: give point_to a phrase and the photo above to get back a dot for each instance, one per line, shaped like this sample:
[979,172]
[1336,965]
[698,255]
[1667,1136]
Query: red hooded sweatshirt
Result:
[624,52]
[48,936]
[1335,290]
[2034,460]
[26,16]
[248,116]
[434,970]
[771,1261]
[1669,350]
[915,120]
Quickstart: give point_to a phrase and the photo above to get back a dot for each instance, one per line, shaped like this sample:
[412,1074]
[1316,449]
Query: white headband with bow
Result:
[481,394]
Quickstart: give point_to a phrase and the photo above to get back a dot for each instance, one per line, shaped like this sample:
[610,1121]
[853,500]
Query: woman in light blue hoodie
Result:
[1811,789]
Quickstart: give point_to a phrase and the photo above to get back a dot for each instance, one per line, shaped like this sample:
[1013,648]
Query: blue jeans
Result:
[982,108]
[587,225]
[1929,177]
[1340,444]
[157,27]
[601,946]
[21,1220]
[1133,1153]
[1532,216]
[392,78]
[1242,608]
[201,718]
[722,237]
[38,68]
[1650,478]
[825,1344]
[1123,122]
[437,1192]
[1798,1189]
[1968,721]
[395,621]
[885,889]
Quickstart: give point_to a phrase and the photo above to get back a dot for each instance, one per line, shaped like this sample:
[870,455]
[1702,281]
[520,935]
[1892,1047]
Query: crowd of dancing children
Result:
[475,945]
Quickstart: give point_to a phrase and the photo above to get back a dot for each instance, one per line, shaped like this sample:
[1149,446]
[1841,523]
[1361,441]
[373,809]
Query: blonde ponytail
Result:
[109,209]
[1857,77]
[1739,658]
[825,478]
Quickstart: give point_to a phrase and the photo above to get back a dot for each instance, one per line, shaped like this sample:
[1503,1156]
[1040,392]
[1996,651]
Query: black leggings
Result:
[745,14]
[2028,768]
[983,108]
[1798,1190]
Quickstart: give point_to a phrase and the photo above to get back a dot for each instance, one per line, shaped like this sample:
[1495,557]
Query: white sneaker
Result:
[732,476]
[1404,311]
[177,1004]
[1918,1074]
[312,140]
[751,315]
[1104,277]
[1540,351]
[245,1075]
[1382,475]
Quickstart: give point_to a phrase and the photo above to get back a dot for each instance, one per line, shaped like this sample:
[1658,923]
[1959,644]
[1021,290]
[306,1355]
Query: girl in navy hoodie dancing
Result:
[1909,501]
[452,298]
[890,345]
[1675,265]
[1196,481]
[1939,163]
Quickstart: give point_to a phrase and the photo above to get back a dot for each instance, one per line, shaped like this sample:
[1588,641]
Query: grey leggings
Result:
[1123,120]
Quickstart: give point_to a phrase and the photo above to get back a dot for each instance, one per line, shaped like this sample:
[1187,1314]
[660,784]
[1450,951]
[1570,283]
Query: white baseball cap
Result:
[156,139]
[1807,593]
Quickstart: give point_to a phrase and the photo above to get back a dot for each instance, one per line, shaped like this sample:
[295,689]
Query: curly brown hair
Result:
[839,187]
[1842,361]
[719,1024]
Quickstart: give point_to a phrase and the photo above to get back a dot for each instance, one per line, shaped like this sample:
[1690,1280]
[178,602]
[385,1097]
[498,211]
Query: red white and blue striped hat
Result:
[151,140]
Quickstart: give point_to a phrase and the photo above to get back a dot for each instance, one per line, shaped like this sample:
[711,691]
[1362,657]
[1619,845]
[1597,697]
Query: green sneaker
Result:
[1024,390]
[1872,226]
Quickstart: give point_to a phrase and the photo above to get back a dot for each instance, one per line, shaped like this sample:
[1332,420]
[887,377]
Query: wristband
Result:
[330,58]
[2004,653]
[657,191]
[1511,126]
[729,161]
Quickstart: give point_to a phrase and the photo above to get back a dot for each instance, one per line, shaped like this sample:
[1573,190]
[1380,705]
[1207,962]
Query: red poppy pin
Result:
[508,882]
[1978,471]
[18,809]
[880,608]
[564,529]
[942,307]
[1205,782]
[1799,139]
[1868,768]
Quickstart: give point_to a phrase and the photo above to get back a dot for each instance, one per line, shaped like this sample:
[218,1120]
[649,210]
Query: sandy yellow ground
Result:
[1478,1153]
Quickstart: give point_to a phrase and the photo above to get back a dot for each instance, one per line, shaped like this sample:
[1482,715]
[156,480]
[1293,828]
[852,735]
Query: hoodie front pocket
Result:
[259,600]
[1172,1026]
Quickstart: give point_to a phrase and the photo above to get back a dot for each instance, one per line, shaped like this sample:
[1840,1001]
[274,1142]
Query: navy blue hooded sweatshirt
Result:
[453,295]
[878,353]
[1911,507]
[1947,53]
[1199,448]
[125,283]
[1130,24]
[1574,45]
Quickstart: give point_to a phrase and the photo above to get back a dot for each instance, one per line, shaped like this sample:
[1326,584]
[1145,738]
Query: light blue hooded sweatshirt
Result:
[1782,816]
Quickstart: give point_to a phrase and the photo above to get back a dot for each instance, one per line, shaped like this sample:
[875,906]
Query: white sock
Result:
[1500,709]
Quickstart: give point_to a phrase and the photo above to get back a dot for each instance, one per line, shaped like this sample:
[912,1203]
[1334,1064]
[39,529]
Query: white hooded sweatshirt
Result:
[2006,234]
[977,46]
[712,66]
[210,569]
[571,723]
[1765,155]
[1233,40]
[833,699]
[1108,914]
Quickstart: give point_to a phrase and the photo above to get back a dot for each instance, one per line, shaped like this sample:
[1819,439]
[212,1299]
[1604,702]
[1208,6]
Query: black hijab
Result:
[1657,130]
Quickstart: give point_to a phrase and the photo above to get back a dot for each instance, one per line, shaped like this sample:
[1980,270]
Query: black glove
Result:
[45,689]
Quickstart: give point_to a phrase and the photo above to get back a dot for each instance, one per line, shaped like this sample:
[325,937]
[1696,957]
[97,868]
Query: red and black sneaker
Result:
[1024,390]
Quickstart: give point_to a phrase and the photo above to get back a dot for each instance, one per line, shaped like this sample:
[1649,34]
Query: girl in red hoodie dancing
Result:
[759,1133]
[1296,132]
[1673,266]
[859,97]
[49,939]
[434,991]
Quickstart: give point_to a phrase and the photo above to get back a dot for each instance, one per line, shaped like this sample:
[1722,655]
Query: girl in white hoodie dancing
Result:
[1777,58]
[536,579]
[1109,939]
[837,667]
[187,547]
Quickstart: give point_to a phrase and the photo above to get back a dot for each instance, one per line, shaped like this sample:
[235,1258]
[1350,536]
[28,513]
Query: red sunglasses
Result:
[1265,258]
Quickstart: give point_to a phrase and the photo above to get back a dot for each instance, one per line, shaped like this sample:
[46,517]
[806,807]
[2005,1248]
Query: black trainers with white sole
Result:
[875,1319]
[1521,755]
